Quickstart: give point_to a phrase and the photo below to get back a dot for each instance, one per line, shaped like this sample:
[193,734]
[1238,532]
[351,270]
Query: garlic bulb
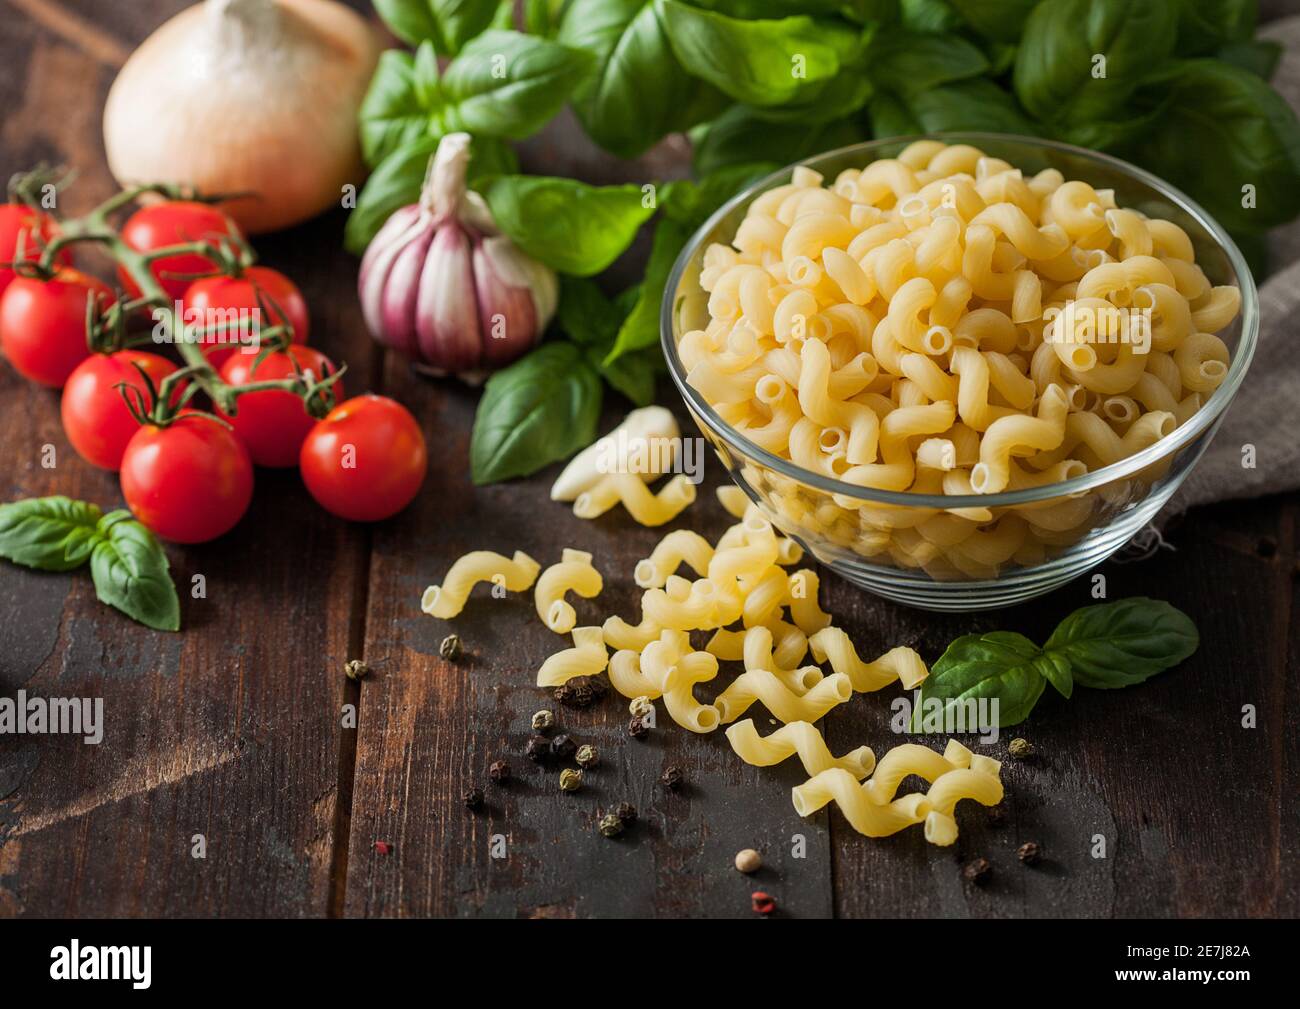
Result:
[440,284]
[247,96]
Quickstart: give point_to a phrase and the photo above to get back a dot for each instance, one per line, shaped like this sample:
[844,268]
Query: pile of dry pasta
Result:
[741,594]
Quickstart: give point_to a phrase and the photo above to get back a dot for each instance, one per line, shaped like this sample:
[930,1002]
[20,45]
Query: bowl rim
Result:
[1207,415]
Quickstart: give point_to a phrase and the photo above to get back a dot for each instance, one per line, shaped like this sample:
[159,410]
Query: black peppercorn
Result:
[581,691]
[978,871]
[1030,852]
[672,778]
[473,798]
[638,728]
[499,772]
[538,749]
[563,747]
[626,812]
[997,815]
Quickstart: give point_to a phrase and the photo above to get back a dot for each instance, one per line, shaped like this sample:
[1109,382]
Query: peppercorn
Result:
[451,649]
[355,669]
[383,847]
[473,798]
[587,756]
[543,721]
[641,706]
[1030,852]
[997,815]
[499,772]
[581,691]
[672,778]
[748,861]
[538,749]
[626,812]
[610,825]
[763,903]
[638,728]
[978,871]
[1020,748]
[563,747]
[570,780]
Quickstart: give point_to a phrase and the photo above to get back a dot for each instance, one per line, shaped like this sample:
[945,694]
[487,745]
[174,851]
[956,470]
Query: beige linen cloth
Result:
[1266,411]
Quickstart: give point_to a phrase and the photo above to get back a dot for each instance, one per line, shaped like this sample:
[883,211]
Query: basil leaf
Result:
[912,62]
[130,571]
[1055,63]
[396,183]
[448,24]
[1122,643]
[977,104]
[1207,105]
[1000,20]
[542,408]
[740,136]
[1259,57]
[48,533]
[507,84]
[929,16]
[568,225]
[692,203]
[1205,25]
[401,102]
[756,61]
[593,321]
[641,328]
[1000,664]
[619,106]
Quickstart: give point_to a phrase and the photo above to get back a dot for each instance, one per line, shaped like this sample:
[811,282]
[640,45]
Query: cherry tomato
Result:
[43,324]
[366,460]
[95,417]
[212,299]
[174,222]
[18,219]
[272,425]
[190,481]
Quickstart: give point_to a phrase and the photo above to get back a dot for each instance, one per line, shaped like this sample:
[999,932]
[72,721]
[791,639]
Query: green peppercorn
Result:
[587,756]
[543,721]
[451,649]
[570,780]
[610,825]
[355,669]
[1020,748]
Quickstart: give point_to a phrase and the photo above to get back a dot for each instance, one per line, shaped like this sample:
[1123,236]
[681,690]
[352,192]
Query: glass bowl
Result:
[970,552]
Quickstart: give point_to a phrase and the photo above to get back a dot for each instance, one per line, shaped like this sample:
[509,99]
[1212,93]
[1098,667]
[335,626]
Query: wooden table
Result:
[232,729]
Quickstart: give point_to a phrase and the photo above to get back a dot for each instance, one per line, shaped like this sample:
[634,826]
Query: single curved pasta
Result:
[681,546]
[587,657]
[574,573]
[787,706]
[645,506]
[796,737]
[865,817]
[900,665]
[515,574]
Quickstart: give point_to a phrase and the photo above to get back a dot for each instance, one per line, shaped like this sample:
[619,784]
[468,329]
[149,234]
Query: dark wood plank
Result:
[230,729]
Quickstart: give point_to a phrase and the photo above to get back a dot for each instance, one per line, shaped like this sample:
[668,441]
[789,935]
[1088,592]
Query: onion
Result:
[247,96]
[439,283]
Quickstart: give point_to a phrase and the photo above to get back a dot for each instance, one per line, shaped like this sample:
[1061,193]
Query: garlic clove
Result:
[506,311]
[518,269]
[446,311]
[377,266]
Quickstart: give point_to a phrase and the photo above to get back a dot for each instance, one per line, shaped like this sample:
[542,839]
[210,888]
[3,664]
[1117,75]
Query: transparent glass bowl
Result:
[925,550]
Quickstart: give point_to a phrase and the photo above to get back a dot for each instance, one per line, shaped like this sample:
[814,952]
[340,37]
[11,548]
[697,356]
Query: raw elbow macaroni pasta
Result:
[940,323]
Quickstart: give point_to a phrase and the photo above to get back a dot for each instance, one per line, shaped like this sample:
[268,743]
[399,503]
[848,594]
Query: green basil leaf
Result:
[509,85]
[1206,25]
[1056,60]
[592,320]
[640,329]
[48,533]
[890,117]
[977,104]
[1000,664]
[778,61]
[912,62]
[752,10]
[540,409]
[448,24]
[586,314]
[396,183]
[130,571]
[1208,105]
[617,106]
[1122,643]
[568,225]
[740,136]
[1259,56]
[402,102]
[929,16]
[1000,20]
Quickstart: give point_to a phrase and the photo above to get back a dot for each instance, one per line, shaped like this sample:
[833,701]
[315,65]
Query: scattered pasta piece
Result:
[574,573]
[642,504]
[449,598]
[587,657]
[902,665]
[682,546]
[796,737]
[763,685]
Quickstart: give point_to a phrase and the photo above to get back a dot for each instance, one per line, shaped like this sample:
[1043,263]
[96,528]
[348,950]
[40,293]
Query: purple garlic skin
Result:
[441,285]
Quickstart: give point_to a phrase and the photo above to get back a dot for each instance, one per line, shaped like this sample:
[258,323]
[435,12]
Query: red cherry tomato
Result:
[366,460]
[272,425]
[43,324]
[212,299]
[189,482]
[18,219]
[174,222]
[95,416]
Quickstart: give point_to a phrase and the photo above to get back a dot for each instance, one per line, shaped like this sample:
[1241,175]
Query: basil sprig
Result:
[127,563]
[1107,646]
